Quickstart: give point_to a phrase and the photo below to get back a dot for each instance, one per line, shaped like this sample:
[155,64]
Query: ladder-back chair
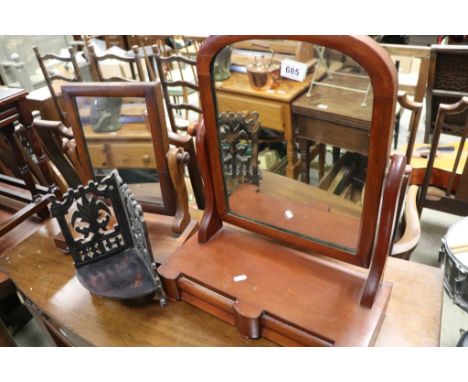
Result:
[454,179]
[51,78]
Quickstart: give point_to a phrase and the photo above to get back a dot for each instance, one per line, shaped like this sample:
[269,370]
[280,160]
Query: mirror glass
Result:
[293,129]
[118,136]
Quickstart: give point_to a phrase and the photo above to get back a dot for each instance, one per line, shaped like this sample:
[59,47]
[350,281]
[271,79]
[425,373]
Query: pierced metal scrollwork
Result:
[239,146]
[112,261]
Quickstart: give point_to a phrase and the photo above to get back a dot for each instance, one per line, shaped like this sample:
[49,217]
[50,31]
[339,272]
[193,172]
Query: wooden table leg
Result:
[322,153]
[292,168]
[304,147]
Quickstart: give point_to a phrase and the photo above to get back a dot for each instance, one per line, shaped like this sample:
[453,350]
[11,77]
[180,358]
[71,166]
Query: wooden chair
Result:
[186,143]
[452,196]
[448,82]
[134,64]
[409,230]
[415,108]
[189,47]
[51,78]
[13,110]
[59,145]
[408,233]
[412,86]
[345,171]
[177,88]
[413,68]
[168,84]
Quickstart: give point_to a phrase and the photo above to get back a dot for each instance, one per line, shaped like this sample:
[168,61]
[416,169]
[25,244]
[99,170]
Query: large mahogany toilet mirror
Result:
[297,134]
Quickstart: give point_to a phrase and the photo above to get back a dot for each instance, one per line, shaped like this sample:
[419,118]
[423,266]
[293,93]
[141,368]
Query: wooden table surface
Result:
[46,276]
[337,105]
[288,90]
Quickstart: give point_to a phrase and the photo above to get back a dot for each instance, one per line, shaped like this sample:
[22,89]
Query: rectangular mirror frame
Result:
[151,92]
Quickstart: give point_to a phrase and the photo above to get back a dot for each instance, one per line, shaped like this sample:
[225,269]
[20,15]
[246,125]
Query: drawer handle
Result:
[146,158]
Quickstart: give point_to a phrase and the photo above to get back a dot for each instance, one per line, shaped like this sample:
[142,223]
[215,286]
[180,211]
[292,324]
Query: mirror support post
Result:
[211,221]
[386,227]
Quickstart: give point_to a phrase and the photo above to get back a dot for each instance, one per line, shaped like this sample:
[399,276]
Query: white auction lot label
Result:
[293,70]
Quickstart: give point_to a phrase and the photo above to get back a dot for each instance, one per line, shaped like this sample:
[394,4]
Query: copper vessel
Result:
[264,73]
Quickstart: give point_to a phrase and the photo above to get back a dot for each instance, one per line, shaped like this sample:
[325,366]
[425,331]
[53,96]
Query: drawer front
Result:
[132,155]
[98,155]
[271,112]
[346,137]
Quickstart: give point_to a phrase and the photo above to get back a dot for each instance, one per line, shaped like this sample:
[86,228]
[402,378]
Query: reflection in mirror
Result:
[118,136]
[293,127]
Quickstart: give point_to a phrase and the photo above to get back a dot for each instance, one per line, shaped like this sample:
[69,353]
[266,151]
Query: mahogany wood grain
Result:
[176,158]
[307,300]
[211,221]
[386,229]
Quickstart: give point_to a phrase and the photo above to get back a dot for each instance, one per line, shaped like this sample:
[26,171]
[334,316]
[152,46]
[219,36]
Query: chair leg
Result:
[322,153]
[336,154]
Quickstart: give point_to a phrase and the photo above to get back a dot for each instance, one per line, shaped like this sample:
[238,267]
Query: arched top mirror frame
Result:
[383,76]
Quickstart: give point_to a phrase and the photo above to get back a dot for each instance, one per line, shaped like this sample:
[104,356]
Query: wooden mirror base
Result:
[268,290]
[162,238]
